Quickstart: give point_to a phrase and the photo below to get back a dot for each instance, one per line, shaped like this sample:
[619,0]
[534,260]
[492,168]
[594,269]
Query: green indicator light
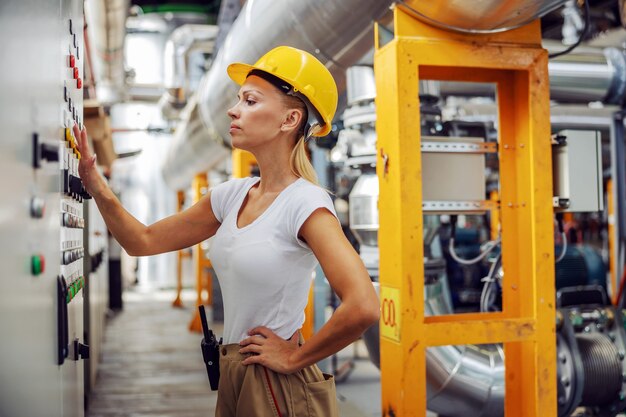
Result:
[35,265]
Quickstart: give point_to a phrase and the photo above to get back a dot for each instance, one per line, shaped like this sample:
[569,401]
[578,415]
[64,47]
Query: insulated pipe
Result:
[338,32]
[106,25]
[485,16]
[183,40]
[582,76]
[190,138]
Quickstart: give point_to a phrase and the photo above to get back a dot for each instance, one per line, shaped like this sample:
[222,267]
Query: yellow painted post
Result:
[494,215]
[201,264]
[308,327]
[243,161]
[516,62]
[614,284]
[179,259]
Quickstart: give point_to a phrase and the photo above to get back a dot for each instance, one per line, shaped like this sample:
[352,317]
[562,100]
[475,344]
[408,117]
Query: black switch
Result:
[43,151]
[81,351]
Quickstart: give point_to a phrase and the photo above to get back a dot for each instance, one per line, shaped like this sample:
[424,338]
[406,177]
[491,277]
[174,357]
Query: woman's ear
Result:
[292,120]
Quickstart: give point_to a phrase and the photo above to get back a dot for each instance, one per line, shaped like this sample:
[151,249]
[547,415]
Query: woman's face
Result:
[259,114]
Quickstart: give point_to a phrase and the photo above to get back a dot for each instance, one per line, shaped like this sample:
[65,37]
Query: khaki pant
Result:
[255,391]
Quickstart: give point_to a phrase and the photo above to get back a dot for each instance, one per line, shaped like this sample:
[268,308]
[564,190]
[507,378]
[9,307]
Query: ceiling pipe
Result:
[338,32]
[106,24]
[183,40]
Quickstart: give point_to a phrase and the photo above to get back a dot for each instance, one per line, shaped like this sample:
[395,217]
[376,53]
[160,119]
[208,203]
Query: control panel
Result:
[42,221]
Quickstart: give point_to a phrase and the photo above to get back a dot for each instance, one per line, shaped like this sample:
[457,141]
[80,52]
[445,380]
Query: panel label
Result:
[390,313]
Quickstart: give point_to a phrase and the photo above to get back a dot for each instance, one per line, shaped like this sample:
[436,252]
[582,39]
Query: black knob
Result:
[81,351]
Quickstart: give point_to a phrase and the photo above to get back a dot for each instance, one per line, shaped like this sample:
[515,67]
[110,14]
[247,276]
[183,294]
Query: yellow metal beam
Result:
[517,64]
[243,161]
[204,283]
[179,258]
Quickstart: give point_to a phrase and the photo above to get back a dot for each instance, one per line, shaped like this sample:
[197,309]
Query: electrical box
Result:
[577,171]
[453,174]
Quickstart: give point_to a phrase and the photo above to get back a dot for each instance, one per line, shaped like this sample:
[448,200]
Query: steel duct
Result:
[339,32]
[181,42]
[485,16]
[106,23]
[585,75]
[190,138]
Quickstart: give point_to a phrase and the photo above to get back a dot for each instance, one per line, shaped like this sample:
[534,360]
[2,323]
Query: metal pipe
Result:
[585,75]
[189,139]
[485,16]
[106,25]
[181,42]
[339,32]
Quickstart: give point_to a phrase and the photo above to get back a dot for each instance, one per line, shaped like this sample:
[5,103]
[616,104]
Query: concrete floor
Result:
[152,366]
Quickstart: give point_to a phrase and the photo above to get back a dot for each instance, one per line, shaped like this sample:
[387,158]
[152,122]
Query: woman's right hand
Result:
[87,170]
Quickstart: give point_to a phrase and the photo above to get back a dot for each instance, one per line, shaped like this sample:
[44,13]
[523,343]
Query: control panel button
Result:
[72,61]
[75,72]
[37,207]
[79,83]
[71,28]
[67,258]
[37,264]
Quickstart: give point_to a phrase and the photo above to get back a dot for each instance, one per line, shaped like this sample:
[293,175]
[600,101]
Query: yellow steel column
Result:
[242,163]
[494,216]
[515,61]
[614,284]
[201,264]
[398,165]
[179,258]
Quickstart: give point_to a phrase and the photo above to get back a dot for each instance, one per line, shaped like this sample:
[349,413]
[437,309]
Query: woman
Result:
[270,232]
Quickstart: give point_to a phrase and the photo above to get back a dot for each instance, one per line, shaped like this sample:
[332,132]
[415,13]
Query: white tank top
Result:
[264,270]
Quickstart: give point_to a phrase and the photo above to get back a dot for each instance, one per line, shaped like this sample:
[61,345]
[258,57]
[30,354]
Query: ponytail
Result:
[300,164]
[299,161]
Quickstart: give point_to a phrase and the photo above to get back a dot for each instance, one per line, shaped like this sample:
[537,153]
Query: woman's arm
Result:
[178,231]
[349,279]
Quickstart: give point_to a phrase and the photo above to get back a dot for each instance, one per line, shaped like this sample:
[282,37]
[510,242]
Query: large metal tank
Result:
[480,16]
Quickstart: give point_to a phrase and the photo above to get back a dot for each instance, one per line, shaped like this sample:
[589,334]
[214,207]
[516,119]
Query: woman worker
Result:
[270,232]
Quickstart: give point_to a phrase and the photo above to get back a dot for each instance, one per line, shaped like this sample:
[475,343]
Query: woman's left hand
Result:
[270,350]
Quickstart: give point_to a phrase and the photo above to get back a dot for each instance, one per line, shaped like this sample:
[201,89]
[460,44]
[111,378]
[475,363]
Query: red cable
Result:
[272,392]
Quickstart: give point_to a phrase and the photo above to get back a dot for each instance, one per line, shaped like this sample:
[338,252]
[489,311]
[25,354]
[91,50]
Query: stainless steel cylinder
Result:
[485,16]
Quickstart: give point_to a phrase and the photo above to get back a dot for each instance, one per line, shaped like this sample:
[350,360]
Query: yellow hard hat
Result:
[307,76]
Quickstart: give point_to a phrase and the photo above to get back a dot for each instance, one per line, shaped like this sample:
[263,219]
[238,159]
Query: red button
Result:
[79,83]
[75,72]
[72,61]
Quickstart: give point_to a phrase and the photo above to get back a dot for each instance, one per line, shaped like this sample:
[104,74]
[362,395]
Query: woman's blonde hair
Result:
[299,162]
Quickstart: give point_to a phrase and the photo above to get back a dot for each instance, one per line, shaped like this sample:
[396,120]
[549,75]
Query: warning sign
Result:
[390,313]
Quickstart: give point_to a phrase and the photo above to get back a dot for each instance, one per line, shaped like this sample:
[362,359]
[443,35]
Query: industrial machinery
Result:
[469,379]
[50,245]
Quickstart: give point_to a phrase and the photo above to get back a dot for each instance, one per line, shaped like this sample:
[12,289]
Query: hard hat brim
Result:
[238,72]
